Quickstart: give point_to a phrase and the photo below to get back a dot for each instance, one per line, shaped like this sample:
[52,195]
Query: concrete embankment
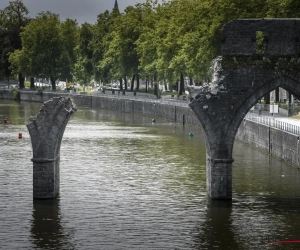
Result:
[6,94]
[176,113]
[274,141]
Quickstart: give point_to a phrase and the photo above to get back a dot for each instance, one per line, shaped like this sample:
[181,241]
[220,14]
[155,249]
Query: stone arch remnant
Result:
[257,56]
[46,131]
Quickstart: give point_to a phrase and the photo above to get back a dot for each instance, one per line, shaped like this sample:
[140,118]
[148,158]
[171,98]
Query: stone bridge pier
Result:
[257,57]
[46,131]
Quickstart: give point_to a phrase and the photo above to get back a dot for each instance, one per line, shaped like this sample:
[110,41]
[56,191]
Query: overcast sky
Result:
[81,10]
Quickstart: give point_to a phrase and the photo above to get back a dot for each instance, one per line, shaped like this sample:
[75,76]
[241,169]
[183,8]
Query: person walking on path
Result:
[259,110]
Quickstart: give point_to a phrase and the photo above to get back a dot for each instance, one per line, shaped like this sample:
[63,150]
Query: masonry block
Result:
[247,69]
[46,130]
[219,178]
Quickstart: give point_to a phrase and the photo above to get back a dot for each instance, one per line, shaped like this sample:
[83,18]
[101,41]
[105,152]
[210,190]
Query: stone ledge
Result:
[222,160]
[44,160]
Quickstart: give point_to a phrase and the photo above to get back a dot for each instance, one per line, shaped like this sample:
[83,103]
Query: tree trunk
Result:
[154,81]
[147,82]
[165,85]
[21,81]
[267,98]
[277,95]
[156,89]
[53,83]
[125,82]
[181,87]
[132,83]
[32,83]
[137,81]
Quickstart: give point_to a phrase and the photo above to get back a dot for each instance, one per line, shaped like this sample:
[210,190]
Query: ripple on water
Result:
[128,184]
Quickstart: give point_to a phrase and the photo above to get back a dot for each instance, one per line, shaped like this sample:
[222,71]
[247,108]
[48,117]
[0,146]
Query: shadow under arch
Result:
[284,81]
[222,113]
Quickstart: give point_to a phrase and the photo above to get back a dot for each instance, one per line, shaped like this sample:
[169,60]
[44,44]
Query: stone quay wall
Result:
[276,142]
[183,115]
[6,94]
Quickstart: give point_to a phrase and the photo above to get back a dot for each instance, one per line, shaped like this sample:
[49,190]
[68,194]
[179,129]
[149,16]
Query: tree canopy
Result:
[12,19]
[163,41]
[48,48]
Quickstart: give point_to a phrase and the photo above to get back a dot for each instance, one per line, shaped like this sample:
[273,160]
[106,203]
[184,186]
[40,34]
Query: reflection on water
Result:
[46,228]
[129,184]
[216,231]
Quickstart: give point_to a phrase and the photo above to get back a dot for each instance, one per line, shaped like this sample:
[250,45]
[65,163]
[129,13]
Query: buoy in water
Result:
[191,135]
[20,135]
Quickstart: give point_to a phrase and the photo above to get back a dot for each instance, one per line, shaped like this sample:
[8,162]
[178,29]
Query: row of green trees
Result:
[155,41]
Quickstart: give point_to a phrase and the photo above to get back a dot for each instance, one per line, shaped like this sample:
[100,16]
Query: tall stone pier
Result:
[257,57]
[46,131]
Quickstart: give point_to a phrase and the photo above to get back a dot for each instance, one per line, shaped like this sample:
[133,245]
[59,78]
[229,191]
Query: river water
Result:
[129,184]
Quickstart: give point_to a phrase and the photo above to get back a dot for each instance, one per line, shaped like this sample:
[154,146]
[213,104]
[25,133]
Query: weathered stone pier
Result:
[46,131]
[257,57]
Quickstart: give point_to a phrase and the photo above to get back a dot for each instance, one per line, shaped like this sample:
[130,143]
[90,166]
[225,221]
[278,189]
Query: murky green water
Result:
[129,184]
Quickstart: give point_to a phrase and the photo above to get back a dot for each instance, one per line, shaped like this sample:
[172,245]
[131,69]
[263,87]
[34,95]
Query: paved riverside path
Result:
[289,120]
[278,121]
[277,117]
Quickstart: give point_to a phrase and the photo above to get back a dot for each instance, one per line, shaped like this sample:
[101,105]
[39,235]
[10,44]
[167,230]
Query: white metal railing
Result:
[294,129]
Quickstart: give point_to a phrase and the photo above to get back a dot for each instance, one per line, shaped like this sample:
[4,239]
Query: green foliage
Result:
[12,19]
[47,48]
[89,91]
[83,70]
[121,54]
[27,84]
[160,41]
[99,43]
[81,74]
[16,94]
[69,32]
[259,42]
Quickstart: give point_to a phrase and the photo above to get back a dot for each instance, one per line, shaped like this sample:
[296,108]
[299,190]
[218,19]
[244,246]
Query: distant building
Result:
[116,5]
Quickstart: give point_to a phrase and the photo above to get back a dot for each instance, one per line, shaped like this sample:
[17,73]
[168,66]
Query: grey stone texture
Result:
[243,78]
[276,142]
[46,131]
[6,94]
[249,132]
[281,37]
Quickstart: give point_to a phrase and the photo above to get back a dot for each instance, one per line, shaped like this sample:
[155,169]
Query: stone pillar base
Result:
[219,178]
[45,178]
